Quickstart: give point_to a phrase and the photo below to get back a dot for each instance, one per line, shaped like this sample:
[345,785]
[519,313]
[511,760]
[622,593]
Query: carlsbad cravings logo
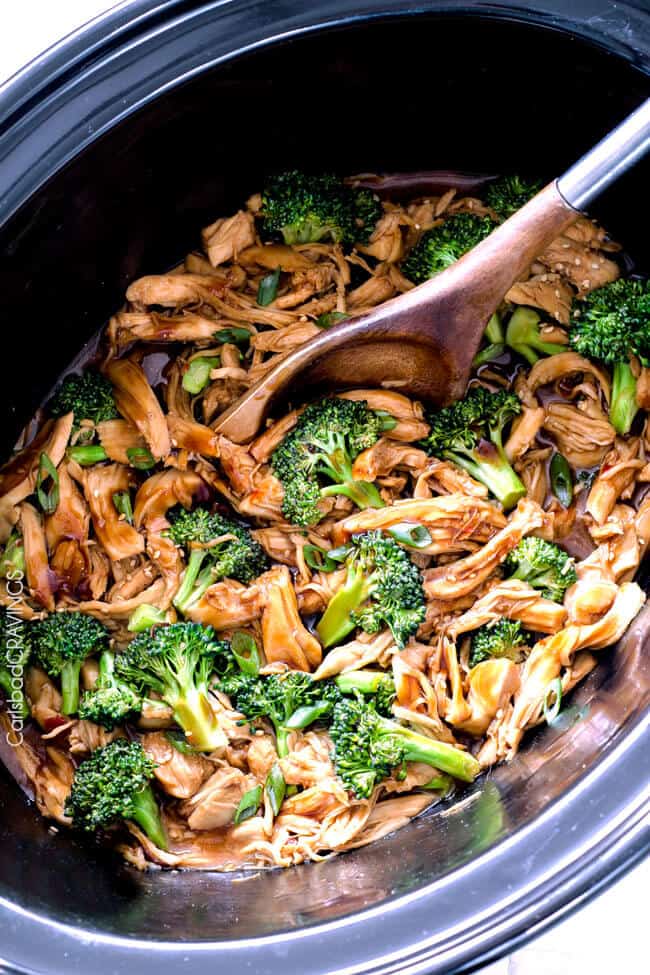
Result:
[15,641]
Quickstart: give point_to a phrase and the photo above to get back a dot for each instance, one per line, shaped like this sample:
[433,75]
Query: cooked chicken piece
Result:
[357,654]
[584,440]
[259,490]
[452,520]
[271,256]
[180,774]
[263,446]
[18,477]
[228,604]
[441,477]
[550,655]
[285,339]
[643,388]
[194,437]
[491,685]
[418,775]
[304,284]
[465,575]
[549,292]
[585,268]
[372,292]
[616,474]
[71,519]
[118,437]
[408,413]
[386,243]
[555,367]
[314,596]
[588,599]
[309,760]
[515,600]
[238,465]
[136,401]
[386,817]
[163,491]
[44,698]
[37,568]
[72,567]
[128,327]
[227,237]
[524,431]
[118,538]
[167,559]
[586,231]
[386,456]
[176,290]
[533,472]
[261,756]
[453,706]
[284,636]
[155,716]
[85,736]
[214,805]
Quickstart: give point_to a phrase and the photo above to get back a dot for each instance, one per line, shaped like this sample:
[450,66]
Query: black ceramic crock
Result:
[115,147]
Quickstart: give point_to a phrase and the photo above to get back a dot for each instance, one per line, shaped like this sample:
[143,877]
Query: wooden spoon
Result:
[424,341]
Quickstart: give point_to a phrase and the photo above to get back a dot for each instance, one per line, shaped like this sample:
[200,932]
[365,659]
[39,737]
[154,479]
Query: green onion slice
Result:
[553,700]
[234,335]
[275,788]
[87,454]
[388,421]
[329,318]
[180,743]
[406,533]
[244,650]
[268,288]
[48,498]
[122,502]
[197,375]
[561,480]
[248,805]
[140,458]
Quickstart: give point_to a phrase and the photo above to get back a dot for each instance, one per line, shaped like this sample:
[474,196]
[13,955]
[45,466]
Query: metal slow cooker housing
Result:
[116,146]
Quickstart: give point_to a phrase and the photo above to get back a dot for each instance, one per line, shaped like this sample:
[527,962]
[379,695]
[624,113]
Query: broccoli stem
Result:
[496,473]
[336,622]
[187,595]
[147,816]
[623,407]
[363,493]
[419,748]
[494,330]
[364,681]
[193,712]
[15,697]
[70,686]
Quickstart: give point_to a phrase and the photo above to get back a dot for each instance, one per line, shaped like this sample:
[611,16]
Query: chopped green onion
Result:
[553,694]
[275,788]
[415,536]
[488,354]
[244,650]
[140,458]
[388,421]
[234,335]
[561,480]
[180,743]
[122,502]
[144,617]
[268,288]
[317,558]
[248,805]
[48,499]
[197,375]
[329,318]
[304,716]
[87,454]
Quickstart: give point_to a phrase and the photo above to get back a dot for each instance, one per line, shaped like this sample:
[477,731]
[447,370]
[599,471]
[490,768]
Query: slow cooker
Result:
[116,146]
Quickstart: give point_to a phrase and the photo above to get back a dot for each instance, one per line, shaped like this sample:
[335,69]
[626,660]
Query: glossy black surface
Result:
[409,93]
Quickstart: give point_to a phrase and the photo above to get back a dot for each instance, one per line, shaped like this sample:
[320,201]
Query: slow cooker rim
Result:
[614,852]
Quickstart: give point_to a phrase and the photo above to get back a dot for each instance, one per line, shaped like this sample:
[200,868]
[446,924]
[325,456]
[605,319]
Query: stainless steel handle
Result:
[608,159]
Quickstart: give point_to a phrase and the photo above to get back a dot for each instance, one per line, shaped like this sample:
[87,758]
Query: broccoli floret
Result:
[62,641]
[375,683]
[509,193]
[368,747]
[89,396]
[523,335]
[503,638]
[382,588]
[612,323]
[15,649]
[177,662]
[305,209]
[12,563]
[111,702]
[290,701]
[115,784]
[238,556]
[443,245]
[328,436]
[543,566]
[470,433]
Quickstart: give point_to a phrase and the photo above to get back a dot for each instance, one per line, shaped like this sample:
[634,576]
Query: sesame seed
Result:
[577,262]
[417,226]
